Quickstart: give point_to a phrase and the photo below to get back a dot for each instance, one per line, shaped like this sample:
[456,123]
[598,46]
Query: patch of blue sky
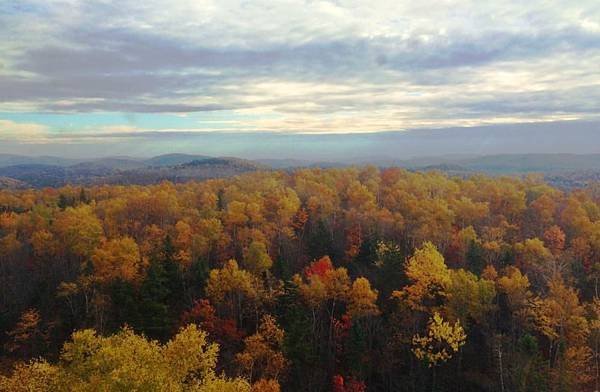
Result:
[72,122]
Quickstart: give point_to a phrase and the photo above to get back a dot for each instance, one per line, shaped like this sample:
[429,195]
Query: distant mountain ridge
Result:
[125,171]
[520,163]
[21,171]
[121,162]
[198,169]
[12,159]
[173,159]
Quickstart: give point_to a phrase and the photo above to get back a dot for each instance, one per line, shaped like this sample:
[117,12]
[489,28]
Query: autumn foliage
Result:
[344,280]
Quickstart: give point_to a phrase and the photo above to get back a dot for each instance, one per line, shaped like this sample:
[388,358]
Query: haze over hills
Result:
[123,171]
[505,163]
[567,137]
[117,162]
[14,159]
[564,151]
[568,170]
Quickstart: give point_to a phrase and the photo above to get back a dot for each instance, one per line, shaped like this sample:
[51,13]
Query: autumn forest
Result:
[344,280]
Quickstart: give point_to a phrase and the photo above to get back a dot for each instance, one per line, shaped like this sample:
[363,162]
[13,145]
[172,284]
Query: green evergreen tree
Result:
[298,342]
[125,305]
[390,263]
[320,242]
[199,272]
[173,274]
[83,196]
[475,260]
[63,201]
[282,269]
[154,312]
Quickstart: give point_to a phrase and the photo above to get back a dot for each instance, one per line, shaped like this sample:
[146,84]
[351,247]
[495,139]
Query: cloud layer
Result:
[299,66]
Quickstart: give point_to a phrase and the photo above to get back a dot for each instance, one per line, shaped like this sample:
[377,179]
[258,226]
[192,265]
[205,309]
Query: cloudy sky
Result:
[131,73]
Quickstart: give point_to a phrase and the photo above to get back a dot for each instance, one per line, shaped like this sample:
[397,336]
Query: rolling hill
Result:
[173,159]
[123,171]
[566,170]
[11,183]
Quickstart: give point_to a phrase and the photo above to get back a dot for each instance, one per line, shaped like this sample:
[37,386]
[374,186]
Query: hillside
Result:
[173,159]
[195,170]
[125,171]
[11,183]
[13,159]
[521,163]
[564,170]
[36,175]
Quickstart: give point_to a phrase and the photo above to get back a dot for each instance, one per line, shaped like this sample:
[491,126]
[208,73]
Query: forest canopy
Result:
[337,280]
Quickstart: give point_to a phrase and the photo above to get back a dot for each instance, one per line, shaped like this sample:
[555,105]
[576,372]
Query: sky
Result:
[115,77]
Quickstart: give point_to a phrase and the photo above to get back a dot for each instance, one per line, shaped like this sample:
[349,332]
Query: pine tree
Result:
[154,293]
[475,260]
[320,242]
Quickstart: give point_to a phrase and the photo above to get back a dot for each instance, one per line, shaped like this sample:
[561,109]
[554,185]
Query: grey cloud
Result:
[113,52]
[121,65]
[93,86]
[89,67]
[108,52]
[457,51]
[581,100]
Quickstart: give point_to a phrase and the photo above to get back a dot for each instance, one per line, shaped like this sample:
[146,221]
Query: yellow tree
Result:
[560,316]
[536,260]
[257,259]
[561,319]
[516,287]
[430,279]
[362,299]
[574,218]
[231,287]
[117,259]
[470,299]
[79,230]
[183,242]
[235,215]
[44,244]
[262,357]
[468,212]
[360,202]
[326,287]
[362,309]
[35,376]
[544,208]
[325,284]
[127,362]
[440,343]
[595,337]
[211,236]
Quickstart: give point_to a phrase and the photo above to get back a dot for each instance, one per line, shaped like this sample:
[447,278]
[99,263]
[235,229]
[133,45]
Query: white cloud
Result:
[27,132]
